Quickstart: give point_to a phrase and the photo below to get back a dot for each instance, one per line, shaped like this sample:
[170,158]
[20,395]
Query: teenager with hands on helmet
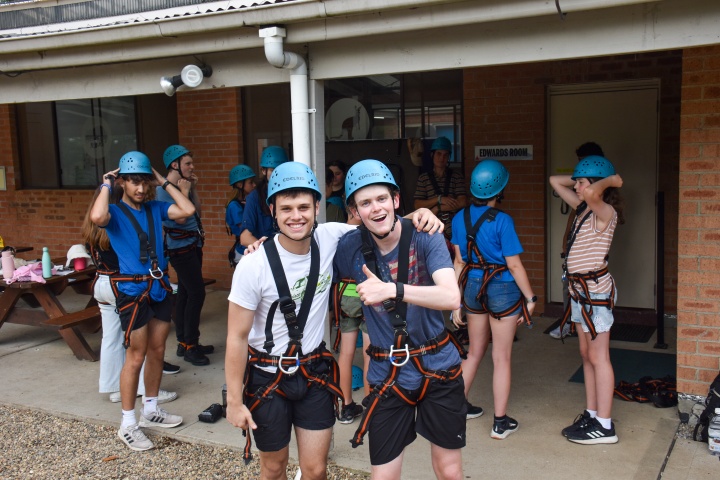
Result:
[242,180]
[134,226]
[404,279]
[592,191]
[493,283]
[257,220]
[279,374]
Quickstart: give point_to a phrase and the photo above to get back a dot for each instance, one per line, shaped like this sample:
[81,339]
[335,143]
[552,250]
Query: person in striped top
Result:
[592,191]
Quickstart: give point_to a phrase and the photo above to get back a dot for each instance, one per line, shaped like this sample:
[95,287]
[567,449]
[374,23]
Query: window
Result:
[71,143]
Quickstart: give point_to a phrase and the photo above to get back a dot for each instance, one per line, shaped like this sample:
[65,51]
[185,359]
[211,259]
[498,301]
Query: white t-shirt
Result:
[253,287]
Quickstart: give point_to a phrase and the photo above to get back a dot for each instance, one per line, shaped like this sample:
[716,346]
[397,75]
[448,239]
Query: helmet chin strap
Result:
[380,237]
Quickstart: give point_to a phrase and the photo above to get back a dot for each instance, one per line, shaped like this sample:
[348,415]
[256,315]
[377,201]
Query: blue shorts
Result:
[602,317]
[500,295]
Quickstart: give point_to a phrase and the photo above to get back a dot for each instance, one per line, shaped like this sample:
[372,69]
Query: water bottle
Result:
[8,264]
[46,263]
[714,434]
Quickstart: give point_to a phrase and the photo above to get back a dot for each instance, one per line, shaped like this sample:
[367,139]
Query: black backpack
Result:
[711,403]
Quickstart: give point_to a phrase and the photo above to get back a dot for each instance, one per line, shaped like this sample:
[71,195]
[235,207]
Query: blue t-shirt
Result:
[233,217]
[124,240]
[259,224]
[496,240]
[191,224]
[428,253]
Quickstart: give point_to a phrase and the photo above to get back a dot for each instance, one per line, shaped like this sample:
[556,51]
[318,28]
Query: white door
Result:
[622,118]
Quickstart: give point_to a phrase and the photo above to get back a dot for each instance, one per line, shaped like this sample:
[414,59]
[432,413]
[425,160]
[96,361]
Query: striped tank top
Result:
[590,250]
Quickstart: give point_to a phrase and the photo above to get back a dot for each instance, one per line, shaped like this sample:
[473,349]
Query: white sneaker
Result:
[565,331]
[134,438]
[164,396]
[160,418]
[116,398]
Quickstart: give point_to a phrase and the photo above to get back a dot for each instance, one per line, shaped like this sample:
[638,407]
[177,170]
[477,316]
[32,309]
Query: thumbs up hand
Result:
[373,290]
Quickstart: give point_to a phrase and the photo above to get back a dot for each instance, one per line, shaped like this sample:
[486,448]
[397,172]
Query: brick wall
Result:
[210,125]
[699,222]
[36,218]
[507,105]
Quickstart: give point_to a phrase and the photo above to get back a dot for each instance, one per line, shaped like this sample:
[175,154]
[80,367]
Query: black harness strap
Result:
[338,290]
[436,186]
[575,229]
[147,251]
[403,349]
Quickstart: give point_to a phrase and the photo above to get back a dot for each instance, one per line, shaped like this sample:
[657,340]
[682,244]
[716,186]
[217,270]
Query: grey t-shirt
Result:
[428,253]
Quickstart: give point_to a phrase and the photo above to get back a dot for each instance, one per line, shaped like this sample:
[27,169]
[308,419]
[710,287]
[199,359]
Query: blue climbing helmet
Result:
[488,179]
[135,163]
[441,143]
[292,175]
[367,172]
[240,173]
[173,153]
[593,166]
[272,157]
[357,376]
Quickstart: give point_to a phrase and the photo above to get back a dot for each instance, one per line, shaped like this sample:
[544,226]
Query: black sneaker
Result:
[350,413]
[502,428]
[204,349]
[593,433]
[579,422]
[473,411]
[197,358]
[170,369]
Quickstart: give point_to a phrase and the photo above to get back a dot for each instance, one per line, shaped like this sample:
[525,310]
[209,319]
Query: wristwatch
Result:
[400,292]
[531,300]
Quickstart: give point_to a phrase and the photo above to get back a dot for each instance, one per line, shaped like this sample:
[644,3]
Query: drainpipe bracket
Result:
[272,32]
[309,110]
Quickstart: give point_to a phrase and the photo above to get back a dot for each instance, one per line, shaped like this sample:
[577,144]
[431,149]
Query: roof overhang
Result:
[344,38]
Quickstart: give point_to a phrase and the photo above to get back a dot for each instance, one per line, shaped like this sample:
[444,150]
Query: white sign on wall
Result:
[504,152]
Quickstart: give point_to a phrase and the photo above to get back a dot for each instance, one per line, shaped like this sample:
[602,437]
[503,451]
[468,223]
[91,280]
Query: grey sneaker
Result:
[565,332]
[134,438]
[164,396]
[160,418]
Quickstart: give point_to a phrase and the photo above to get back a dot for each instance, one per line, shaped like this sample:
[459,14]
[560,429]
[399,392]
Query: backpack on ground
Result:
[712,401]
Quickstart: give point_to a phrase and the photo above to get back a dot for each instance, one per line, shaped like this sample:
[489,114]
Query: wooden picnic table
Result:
[45,309]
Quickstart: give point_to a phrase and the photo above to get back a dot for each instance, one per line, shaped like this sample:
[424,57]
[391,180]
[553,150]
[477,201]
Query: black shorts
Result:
[311,408]
[146,310]
[440,419]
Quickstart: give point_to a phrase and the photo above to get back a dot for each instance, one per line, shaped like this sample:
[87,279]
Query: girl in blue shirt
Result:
[495,284]
[242,179]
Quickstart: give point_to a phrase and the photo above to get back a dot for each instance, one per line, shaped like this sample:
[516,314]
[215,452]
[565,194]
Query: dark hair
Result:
[145,178]
[612,197]
[587,149]
[339,164]
[329,175]
[479,202]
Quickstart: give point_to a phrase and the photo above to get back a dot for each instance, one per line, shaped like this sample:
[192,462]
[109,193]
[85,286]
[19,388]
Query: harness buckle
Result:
[292,369]
[393,359]
[156,271]
[287,306]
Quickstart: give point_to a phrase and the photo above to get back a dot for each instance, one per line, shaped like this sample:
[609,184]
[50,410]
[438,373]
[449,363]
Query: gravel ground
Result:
[37,445]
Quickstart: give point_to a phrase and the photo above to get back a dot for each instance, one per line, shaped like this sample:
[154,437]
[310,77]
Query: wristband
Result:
[164,185]
[531,300]
[400,292]
[109,187]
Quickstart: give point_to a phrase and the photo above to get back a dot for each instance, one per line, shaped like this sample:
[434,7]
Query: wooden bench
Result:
[90,315]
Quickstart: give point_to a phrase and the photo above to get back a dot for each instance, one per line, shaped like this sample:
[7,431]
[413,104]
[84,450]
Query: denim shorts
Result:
[602,317]
[501,295]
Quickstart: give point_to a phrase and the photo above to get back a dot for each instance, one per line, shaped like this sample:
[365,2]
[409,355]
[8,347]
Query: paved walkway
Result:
[39,371]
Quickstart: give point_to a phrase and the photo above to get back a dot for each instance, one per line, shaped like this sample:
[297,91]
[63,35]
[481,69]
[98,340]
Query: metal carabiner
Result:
[405,360]
[153,272]
[292,369]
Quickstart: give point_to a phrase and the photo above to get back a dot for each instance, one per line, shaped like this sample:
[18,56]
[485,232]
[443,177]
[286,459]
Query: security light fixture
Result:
[191,76]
